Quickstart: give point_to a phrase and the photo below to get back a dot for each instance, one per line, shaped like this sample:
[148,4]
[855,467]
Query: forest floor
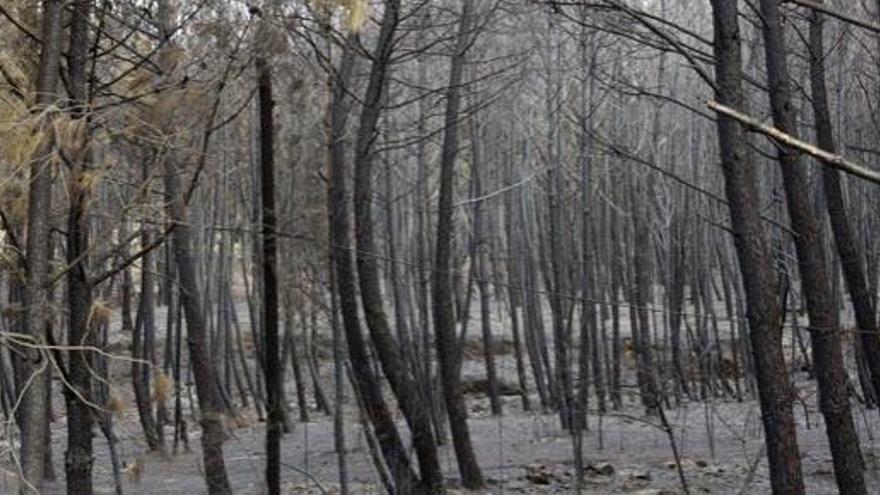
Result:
[720,443]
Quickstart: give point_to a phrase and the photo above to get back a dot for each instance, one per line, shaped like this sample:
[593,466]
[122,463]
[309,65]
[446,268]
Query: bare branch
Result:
[820,7]
[830,159]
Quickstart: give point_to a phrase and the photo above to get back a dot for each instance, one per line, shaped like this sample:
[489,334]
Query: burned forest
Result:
[419,247]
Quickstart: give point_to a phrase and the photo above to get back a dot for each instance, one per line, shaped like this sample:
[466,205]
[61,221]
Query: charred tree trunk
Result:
[809,243]
[34,383]
[144,322]
[443,304]
[78,458]
[841,225]
[182,235]
[763,307]
[515,299]
[481,262]
[269,245]
[363,377]
[388,351]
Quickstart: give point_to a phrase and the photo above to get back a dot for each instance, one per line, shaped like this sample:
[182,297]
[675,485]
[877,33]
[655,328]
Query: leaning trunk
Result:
[841,225]
[388,351]
[182,236]
[763,307]
[809,244]
[443,303]
[364,378]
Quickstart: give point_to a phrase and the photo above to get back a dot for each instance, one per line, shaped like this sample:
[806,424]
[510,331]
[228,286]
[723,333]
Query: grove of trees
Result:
[222,218]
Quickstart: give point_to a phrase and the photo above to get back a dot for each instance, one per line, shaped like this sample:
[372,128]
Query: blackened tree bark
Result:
[641,295]
[33,386]
[763,307]
[589,280]
[388,352]
[269,258]
[841,226]
[335,325]
[480,261]
[430,382]
[551,248]
[289,350]
[182,235]
[78,457]
[515,299]
[363,377]
[675,295]
[211,408]
[145,322]
[443,303]
[823,316]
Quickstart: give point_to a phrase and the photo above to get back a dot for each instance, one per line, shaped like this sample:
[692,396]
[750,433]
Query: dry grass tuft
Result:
[355,11]
[239,422]
[135,470]
[357,14]
[474,349]
[116,405]
[71,136]
[163,385]
[13,200]
[12,71]
[100,314]
[87,181]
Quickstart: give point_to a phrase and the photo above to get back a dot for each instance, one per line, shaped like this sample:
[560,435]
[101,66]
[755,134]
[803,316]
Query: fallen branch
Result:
[830,159]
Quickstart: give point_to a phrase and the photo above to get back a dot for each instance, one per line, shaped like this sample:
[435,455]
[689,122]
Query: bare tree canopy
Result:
[424,247]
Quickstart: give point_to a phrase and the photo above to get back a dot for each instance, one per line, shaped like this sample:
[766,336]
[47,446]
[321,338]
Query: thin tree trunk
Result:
[182,236]
[211,408]
[239,341]
[310,333]
[514,293]
[481,262]
[444,310]
[105,418]
[180,429]
[363,376]
[144,320]
[339,386]
[299,381]
[388,351]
